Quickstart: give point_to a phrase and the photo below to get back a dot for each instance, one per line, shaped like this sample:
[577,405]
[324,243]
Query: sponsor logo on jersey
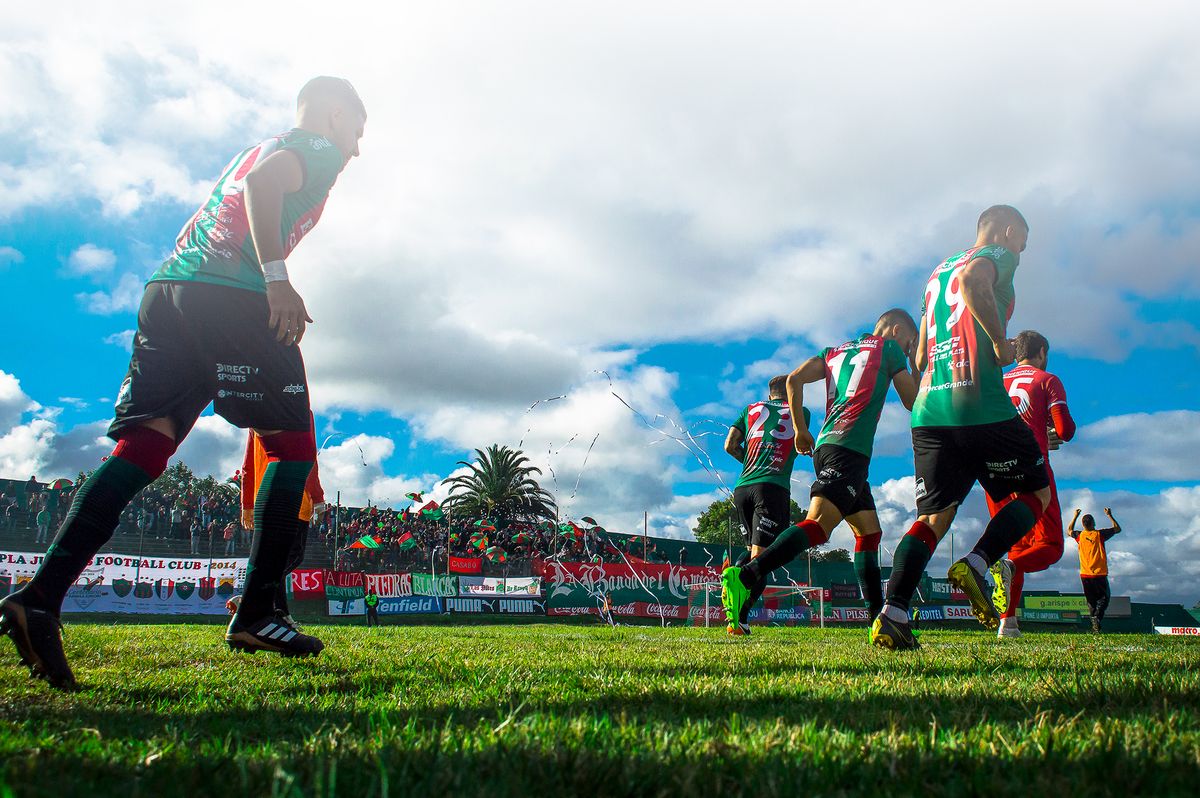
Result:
[1002,467]
[249,397]
[297,388]
[321,143]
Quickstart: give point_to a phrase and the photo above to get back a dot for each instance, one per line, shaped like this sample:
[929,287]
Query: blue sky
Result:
[690,205]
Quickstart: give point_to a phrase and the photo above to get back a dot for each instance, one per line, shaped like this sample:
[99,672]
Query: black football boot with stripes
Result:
[272,633]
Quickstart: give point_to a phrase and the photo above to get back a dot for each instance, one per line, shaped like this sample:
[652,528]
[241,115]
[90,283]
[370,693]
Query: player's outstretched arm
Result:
[266,185]
[1074,519]
[978,278]
[735,444]
[1116,525]
[812,370]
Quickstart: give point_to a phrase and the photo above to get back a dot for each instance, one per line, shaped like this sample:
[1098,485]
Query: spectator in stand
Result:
[43,525]
[176,530]
[230,538]
[196,529]
[146,520]
[8,506]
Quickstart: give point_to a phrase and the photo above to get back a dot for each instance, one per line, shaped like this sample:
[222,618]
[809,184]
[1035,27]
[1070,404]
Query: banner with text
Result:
[388,585]
[499,586]
[496,606]
[429,585]
[307,583]
[108,569]
[466,565]
[410,605]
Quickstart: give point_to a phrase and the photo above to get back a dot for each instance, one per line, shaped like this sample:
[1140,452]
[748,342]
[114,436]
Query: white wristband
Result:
[275,271]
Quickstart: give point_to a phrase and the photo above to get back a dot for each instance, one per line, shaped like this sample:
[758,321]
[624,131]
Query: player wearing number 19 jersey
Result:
[1041,402]
[965,429]
[856,375]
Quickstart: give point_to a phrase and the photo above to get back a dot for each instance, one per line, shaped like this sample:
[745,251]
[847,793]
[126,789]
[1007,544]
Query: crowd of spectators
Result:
[414,541]
[210,525]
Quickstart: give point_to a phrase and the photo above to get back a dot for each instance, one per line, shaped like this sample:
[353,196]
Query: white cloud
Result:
[123,339]
[124,298]
[1137,446]
[10,256]
[90,259]
[74,402]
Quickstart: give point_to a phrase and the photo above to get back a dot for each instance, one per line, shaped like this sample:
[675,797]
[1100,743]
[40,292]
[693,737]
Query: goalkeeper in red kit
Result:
[1041,402]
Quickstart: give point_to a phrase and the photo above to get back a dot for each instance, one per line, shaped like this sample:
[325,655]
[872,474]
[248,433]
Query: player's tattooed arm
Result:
[812,370]
[734,444]
[266,185]
[978,279]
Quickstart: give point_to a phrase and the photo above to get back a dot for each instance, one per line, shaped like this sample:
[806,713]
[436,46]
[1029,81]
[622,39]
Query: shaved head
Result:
[323,94]
[896,316]
[1001,216]
[777,386]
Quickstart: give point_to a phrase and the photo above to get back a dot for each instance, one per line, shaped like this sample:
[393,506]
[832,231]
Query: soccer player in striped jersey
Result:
[1041,402]
[762,441]
[856,375]
[220,323]
[964,427]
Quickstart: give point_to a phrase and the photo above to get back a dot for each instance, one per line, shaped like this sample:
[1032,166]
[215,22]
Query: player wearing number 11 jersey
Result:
[964,428]
[1041,402]
[856,375]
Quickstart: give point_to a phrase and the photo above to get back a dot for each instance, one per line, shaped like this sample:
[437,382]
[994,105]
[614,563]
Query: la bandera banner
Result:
[642,590]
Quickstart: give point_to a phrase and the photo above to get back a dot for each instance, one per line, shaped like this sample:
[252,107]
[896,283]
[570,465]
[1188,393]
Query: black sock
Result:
[866,568]
[912,555]
[89,524]
[295,557]
[1012,523]
[788,546]
[276,507]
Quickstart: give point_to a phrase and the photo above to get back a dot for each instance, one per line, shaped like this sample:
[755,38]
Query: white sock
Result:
[894,613]
[978,563]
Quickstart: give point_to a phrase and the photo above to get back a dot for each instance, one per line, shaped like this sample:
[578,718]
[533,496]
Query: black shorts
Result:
[842,479]
[1003,458]
[765,511]
[198,343]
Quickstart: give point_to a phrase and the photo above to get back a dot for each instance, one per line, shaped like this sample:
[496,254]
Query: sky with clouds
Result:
[666,203]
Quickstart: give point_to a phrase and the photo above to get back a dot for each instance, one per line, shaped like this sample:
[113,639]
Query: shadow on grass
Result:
[535,768]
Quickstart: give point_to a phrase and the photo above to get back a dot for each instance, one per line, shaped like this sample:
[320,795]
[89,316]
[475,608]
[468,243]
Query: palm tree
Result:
[500,485]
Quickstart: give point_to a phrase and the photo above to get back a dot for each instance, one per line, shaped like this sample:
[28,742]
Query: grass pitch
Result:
[555,709]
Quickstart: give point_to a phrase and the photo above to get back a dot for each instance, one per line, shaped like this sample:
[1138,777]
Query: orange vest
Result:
[1092,559]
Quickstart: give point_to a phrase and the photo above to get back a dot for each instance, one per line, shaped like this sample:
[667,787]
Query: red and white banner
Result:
[388,585]
[307,583]
[644,609]
[343,578]
[1190,631]
[957,613]
[466,565]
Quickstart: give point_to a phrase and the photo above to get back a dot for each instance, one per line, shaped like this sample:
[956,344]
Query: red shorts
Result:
[1043,546]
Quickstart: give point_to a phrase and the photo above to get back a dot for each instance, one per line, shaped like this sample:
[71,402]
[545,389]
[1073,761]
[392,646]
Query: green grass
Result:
[546,709]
